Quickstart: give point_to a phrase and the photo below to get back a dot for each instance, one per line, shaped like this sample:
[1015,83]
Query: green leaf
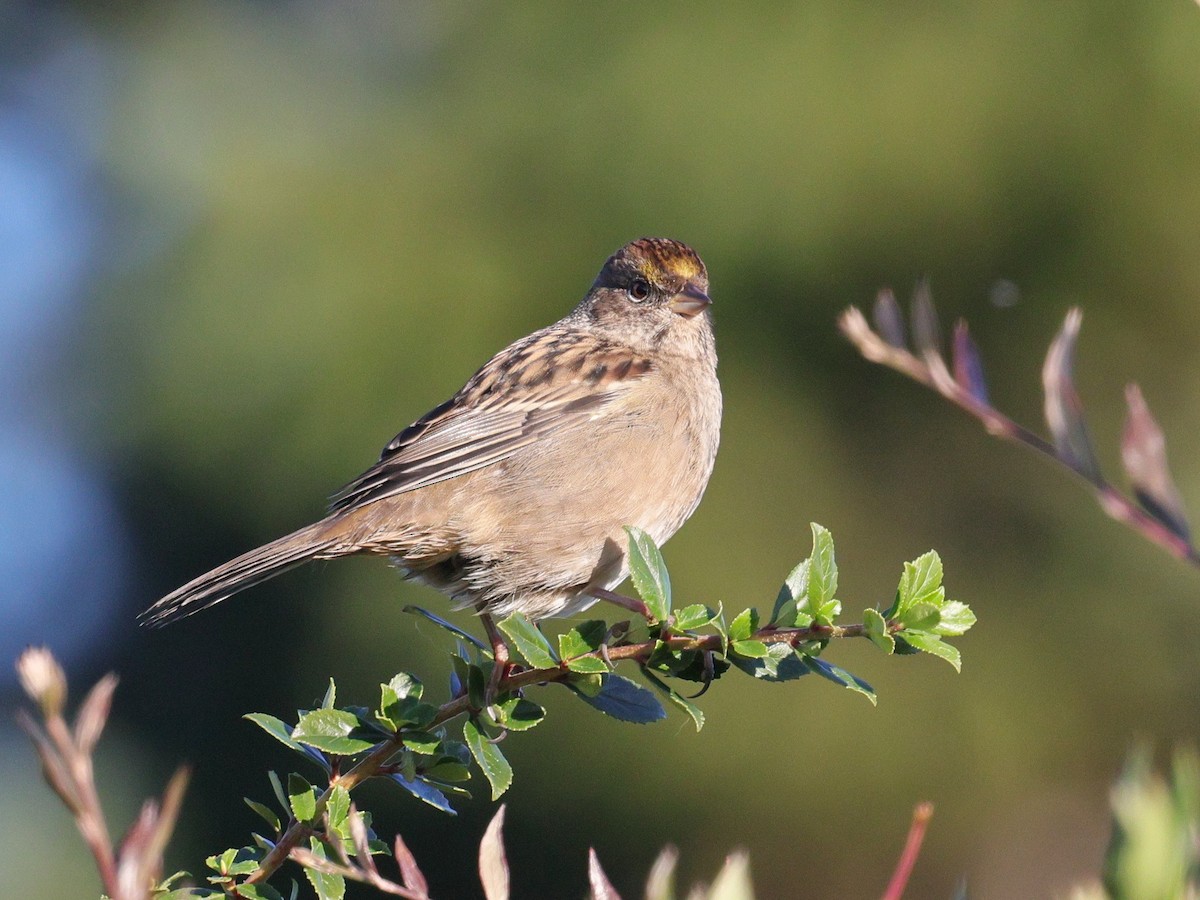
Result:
[405,711]
[781,663]
[235,861]
[649,573]
[587,665]
[529,641]
[751,649]
[793,589]
[743,625]
[403,684]
[695,616]
[337,808]
[624,699]
[697,715]
[330,730]
[495,767]
[301,798]
[276,728]
[921,582]
[921,617]
[956,619]
[877,630]
[425,792]
[931,643]
[267,814]
[330,696]
[823,573]
[519,714]
[327,885]
[422,742]
[587,685]
[583,639]
[838,675]
[277,787]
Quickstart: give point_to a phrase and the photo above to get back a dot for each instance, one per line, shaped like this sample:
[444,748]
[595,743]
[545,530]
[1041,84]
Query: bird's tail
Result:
[247,570]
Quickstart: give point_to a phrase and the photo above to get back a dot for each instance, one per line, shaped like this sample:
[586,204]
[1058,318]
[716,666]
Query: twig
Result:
[1156,511]
[912,849]
[371,764]
[66,758]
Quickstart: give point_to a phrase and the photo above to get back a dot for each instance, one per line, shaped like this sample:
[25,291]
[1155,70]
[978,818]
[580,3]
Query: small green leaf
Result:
[649,573]
[793,589]
[781,663]
[529,641]
[328,886]
[425,792]
[956,619]
[267,814]
[931,643]
[519,714]
[838,675]
[491,761]
[301,798]
[751,649]
[922,616]
[422,742]
[921,582]
[823,573]
[697,715]
[585,637]
[587,665]
[329,730]
[277,787]
[403,684]
[695,616]
[587,685]
[624,699]
[877,630]
[743,625]
[449,770]
[330,696]
[337,808]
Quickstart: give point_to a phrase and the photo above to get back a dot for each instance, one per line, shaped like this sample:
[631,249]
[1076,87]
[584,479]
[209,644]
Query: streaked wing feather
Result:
[484,423]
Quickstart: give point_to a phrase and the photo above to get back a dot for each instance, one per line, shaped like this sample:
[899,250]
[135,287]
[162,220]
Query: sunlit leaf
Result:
[493,863]
[529,641]
[491,761]
[1064,410]
[648,572]
[1144,457]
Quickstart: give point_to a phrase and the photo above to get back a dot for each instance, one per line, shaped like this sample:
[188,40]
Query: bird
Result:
[513,495]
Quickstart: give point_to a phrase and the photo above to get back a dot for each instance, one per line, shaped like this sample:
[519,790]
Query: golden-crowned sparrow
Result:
[511,495]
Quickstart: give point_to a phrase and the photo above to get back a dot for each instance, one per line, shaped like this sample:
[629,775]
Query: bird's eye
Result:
[639,290]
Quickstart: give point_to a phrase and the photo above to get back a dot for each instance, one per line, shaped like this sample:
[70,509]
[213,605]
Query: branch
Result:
[133,872]
[375,761]
[1155,511]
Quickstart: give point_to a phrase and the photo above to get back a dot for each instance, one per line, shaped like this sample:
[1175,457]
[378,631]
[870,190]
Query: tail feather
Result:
[245,571]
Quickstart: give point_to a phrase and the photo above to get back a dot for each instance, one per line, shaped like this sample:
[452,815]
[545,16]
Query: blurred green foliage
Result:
[328,216]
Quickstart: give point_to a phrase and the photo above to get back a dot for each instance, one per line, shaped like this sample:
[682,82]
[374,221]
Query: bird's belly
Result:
[547,522]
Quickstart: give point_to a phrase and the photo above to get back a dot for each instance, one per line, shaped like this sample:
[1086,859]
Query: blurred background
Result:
[244,243]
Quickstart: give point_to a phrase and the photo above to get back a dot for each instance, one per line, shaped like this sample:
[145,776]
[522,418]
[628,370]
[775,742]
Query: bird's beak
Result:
[690,301]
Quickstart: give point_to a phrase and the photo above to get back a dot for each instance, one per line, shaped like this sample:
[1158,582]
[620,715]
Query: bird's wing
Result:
[541,385]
